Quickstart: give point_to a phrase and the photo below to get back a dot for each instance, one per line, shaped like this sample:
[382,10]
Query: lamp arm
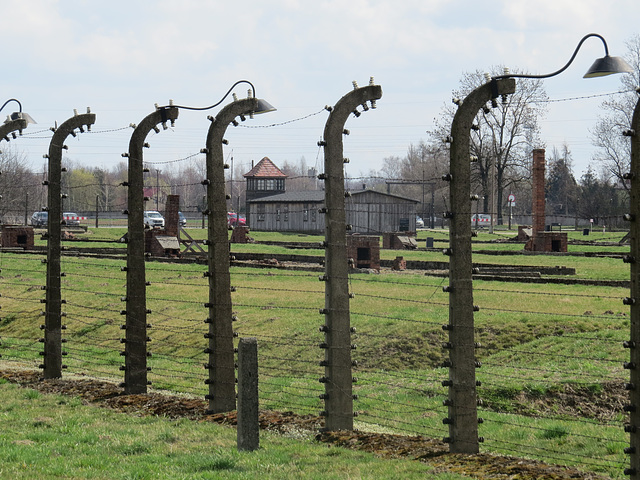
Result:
[606,51]
[253,90]
[12,100]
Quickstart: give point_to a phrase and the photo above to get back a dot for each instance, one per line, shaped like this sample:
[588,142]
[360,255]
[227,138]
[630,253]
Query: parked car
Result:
[182,219]
[233,219]
[153,219]
[71,219]
[39,219]
[419,222]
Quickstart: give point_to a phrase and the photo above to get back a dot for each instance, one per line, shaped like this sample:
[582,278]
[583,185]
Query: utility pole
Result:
[157,188]
[492,194]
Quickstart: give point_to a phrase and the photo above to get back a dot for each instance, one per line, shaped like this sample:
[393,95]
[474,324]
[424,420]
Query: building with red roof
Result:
[264,179]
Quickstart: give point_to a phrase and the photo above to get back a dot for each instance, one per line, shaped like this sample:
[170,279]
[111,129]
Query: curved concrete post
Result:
[135,350]
[462,401]
[5,130]
[221,364]
[634,300]
[338,380]
[52,364]
[10,127]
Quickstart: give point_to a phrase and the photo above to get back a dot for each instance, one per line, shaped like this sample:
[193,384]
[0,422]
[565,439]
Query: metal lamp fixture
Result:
[263,105]
[606,65]
[19,114]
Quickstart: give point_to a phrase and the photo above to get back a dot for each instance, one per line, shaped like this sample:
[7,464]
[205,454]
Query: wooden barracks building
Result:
[271,208]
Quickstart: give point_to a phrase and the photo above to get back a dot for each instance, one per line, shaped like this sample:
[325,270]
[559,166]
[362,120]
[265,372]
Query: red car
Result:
[233,219]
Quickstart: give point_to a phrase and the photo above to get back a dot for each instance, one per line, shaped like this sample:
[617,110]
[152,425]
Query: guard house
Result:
[264,179]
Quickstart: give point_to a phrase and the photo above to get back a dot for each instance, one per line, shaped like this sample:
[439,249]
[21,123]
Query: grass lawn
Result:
[536,341]
[52,436]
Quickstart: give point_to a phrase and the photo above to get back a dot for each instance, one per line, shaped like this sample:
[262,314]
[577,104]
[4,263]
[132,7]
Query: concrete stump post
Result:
[248,425]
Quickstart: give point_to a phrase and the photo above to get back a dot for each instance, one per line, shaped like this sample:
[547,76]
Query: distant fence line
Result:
[332,375]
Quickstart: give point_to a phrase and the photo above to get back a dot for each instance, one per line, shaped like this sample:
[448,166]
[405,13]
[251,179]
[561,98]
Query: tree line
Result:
[503,137]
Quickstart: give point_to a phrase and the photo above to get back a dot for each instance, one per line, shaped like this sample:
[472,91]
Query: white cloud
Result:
[123,56]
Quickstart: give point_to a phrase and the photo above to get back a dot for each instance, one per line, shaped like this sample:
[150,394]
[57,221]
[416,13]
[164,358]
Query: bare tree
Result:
[417,175]
[502,137]
[19,187]
[300,176]
[561,187]
[614,150]
[391,167]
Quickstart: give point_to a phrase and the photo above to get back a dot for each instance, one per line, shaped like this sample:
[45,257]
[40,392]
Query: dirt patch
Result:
[603,403]
[431,451]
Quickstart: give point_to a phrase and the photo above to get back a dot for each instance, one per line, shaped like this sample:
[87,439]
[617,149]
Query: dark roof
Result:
[311,196]
[361,192]
[316,196]
[265,169]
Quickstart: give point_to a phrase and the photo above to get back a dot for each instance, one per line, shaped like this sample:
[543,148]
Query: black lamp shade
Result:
[264,107]
[23,115]
[608,65]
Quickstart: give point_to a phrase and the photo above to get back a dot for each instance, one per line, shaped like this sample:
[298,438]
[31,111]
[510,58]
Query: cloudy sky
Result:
[122,57]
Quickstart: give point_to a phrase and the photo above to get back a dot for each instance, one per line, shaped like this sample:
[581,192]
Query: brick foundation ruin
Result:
[240,234]
[164,242]
[17,236]
[399,241]
[364,250]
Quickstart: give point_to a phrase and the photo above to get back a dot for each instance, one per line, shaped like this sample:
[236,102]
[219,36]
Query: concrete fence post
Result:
[633,407]
[462,399]
[135,341]
[52,364]
[6,129]
[338,396]
[248,425]
[221,365]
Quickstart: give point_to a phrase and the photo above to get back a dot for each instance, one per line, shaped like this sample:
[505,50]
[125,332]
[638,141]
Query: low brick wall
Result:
[398,240]
[364,250]
[240,234]
[547,242]
[17,236]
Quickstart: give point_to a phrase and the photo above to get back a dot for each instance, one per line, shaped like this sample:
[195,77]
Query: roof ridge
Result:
[265,168]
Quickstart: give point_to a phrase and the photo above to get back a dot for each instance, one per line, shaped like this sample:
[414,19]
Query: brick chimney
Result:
[171,220]
[538,181]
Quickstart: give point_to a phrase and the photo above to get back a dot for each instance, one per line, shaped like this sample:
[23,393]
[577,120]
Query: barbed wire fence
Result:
[395,392]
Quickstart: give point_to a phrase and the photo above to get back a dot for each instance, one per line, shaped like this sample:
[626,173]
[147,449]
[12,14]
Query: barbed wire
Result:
[284,123]
[583,97]
[289,366]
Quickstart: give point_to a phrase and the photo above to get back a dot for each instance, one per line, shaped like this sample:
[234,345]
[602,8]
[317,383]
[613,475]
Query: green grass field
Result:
[52,436]
[538,340]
